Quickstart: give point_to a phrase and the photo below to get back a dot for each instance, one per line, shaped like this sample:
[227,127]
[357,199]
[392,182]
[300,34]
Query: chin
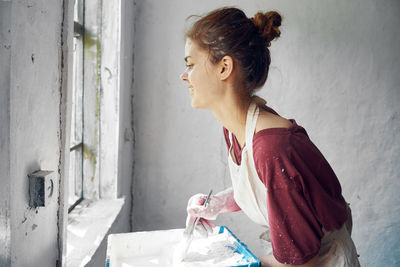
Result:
[198,104]
[195,105]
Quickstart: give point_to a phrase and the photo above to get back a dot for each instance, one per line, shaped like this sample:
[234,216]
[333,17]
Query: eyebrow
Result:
[186,58]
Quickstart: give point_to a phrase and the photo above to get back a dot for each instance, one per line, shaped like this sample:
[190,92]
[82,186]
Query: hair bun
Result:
[268,25]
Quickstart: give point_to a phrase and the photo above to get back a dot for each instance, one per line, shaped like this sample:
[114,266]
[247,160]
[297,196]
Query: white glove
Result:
[219,203]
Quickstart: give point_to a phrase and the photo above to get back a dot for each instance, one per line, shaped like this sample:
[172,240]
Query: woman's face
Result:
[201,76]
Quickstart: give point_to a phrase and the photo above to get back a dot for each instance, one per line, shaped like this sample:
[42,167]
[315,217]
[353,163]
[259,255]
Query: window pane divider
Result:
[75,204]
[77,146]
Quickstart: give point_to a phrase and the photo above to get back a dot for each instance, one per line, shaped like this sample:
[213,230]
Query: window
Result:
[94,133]
[95,102]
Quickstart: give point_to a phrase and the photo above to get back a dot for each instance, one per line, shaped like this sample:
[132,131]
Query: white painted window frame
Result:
[101,132]
[75,179]
[102,42]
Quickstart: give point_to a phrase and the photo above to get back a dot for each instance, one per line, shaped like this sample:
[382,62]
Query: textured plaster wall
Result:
[5,59]
[31,136]
[334,69]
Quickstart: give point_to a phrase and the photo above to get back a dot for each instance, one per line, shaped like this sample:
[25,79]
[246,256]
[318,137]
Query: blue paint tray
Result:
[139,249]
[241,248]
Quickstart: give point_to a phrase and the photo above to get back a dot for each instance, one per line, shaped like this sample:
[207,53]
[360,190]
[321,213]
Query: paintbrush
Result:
[188,233]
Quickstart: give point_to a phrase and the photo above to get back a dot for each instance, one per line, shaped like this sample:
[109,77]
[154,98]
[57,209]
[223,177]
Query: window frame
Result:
[78,36]
[100,33]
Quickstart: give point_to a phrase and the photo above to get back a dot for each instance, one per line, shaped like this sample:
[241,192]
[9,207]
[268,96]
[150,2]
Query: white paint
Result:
[163,248]
[333,71]
[214,250]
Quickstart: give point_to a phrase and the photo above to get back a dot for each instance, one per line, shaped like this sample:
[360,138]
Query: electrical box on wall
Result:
[40,188]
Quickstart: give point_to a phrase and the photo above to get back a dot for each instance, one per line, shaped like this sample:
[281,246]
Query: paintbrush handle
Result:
[189,236]
[190,230]
[204,204]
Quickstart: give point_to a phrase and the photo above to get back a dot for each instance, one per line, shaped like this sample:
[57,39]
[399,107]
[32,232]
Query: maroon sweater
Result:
[303,193]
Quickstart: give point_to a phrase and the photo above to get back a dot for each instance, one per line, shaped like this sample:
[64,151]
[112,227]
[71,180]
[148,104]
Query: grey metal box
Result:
[40,188]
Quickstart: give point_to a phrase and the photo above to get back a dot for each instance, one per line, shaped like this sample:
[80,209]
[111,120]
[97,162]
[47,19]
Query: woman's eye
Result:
[189,66]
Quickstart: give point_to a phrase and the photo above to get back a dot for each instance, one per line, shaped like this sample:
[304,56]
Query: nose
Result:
[184,76]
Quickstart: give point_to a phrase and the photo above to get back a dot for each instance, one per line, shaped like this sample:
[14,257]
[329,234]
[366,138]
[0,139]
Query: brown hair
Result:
[228,31]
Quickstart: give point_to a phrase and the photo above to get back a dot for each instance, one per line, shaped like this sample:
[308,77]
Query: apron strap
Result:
[230,150]
[251,121]
[230,139]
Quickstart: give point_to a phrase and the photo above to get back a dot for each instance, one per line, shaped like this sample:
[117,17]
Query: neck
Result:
[231,112]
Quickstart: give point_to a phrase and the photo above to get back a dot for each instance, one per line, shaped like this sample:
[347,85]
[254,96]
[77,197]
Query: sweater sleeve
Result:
[295,232]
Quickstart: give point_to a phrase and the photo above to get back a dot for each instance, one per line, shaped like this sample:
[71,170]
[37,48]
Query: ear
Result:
[225,67]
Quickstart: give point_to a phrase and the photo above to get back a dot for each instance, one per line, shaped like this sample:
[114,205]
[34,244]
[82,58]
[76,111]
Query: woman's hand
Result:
[219,203]
[203,226]
[270,261]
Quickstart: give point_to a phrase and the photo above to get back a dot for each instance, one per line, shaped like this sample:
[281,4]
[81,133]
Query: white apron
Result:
[337,247]
[249,192]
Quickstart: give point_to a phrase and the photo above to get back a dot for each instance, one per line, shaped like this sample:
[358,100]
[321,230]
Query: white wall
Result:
[334,69]
[5,60]
[31,117]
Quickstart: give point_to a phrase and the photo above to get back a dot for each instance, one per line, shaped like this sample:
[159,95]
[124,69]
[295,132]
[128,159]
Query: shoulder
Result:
[268,120]
[277,152]
[271,133]
[271,153]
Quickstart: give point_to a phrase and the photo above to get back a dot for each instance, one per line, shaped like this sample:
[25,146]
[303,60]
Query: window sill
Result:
[88,225]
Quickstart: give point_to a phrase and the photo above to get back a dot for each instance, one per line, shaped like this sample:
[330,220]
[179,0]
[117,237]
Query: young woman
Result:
[279,178]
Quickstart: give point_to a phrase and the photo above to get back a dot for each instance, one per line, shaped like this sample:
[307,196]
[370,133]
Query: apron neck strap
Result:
[230,139]
[251,121]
